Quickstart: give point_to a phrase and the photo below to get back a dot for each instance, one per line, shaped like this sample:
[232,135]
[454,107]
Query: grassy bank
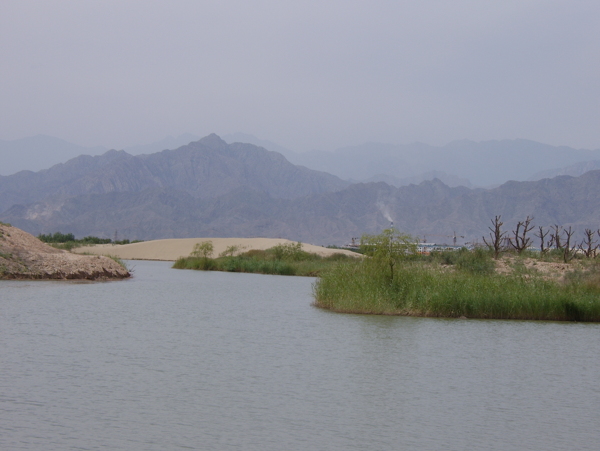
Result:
[460,284]
[286,260]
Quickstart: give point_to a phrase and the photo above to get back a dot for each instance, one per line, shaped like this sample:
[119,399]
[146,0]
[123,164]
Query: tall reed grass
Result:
[429,289]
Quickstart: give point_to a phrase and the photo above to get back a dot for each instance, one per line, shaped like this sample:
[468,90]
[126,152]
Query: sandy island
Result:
[172,249]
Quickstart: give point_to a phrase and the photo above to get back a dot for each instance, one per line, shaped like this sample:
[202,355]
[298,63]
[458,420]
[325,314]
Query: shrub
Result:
[290,252]
[203,249]
[230,251]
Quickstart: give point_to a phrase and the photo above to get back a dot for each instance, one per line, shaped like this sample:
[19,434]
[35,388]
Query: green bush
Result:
[56,237]
[87,240]
[203,249]
[290,252]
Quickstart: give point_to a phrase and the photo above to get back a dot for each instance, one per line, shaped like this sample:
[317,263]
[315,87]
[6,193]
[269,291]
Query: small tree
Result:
[496,237]
[203,250]
[389,247]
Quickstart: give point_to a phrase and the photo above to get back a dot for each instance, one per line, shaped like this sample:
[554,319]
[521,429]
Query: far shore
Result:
[172,249]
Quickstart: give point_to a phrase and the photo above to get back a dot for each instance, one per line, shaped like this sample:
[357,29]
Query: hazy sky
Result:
[305,74]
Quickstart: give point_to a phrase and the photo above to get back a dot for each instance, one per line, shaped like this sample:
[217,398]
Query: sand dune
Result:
[172,249]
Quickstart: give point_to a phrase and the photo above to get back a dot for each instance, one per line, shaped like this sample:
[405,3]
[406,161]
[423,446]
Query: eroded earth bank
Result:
[23,256]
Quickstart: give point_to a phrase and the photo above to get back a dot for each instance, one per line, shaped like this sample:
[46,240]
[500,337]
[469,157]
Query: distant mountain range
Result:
[483,164]
[211,188]
[574,170]
[41,152]
[460,163]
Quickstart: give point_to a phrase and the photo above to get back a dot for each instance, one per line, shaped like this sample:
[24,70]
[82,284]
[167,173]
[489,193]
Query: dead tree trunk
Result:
[542,236]
[588,246]
[522,242]
[555,238]
[568,251]
[496,235]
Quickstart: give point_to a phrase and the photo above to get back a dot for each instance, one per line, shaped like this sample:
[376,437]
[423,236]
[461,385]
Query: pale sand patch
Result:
[172,249]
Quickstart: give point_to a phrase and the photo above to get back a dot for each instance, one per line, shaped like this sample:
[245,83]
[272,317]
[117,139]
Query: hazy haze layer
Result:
[308,75]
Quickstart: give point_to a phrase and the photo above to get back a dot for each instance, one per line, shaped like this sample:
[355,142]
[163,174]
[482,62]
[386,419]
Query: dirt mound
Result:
[22,256]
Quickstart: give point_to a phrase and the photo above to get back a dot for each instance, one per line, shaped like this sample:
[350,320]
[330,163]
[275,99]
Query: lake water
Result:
[177,359]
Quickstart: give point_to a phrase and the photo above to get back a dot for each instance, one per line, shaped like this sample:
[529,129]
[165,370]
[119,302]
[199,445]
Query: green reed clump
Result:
[200,263]
[284,259]
[425,289]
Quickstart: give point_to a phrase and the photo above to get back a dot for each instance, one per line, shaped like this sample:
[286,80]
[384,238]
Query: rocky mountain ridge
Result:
[431,210]
[213,189]
[205,169]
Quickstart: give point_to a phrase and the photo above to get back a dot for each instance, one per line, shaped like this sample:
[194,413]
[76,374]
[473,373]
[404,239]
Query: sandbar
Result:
[172,249]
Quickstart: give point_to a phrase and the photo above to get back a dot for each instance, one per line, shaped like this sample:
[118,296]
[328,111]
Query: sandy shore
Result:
[172,249]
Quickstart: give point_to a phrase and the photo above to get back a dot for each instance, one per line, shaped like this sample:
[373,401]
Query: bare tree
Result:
[542,236]
[521,241]
[588,246]
[568,250]
[555,238]
[496,236]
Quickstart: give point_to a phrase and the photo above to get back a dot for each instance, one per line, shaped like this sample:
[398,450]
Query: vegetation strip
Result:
[67,241]
[283,259]
[396,281]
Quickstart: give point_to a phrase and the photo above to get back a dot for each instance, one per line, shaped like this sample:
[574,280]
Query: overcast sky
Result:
[305,74]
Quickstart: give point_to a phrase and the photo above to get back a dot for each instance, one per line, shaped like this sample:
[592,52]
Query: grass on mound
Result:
[457,285]
[67,241]
[283,259]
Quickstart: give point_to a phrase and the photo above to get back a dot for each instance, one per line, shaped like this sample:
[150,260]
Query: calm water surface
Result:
[178,359]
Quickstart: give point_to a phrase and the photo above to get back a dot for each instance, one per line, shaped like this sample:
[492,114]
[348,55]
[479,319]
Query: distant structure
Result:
[428,248]
[454,237]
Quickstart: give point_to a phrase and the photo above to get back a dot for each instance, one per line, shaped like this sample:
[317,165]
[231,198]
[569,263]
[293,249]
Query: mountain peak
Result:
[213,141]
